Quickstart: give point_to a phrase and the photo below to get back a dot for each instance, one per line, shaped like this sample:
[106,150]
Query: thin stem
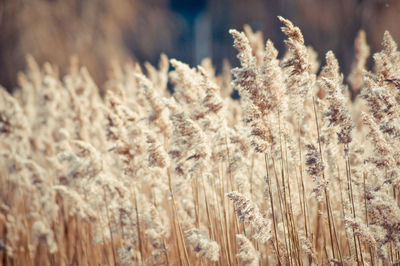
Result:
[176,219]
[109,227]
[272,209]
[323,176]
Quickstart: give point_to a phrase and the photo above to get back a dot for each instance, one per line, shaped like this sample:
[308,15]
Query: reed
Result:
[300,170]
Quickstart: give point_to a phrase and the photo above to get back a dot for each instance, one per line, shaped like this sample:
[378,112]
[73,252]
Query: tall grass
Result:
[293,173]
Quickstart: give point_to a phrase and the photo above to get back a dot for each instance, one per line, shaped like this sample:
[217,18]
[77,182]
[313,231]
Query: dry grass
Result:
[295,173]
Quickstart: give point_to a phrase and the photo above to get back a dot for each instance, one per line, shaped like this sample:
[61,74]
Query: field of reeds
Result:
[166,168]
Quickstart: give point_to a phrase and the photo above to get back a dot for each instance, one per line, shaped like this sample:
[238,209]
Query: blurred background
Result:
[101,32]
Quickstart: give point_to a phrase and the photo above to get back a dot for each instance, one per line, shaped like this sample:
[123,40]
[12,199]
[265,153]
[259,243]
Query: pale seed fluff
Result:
[247,253]
[248,211]
[157,157]
[202,245]
[42,232]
